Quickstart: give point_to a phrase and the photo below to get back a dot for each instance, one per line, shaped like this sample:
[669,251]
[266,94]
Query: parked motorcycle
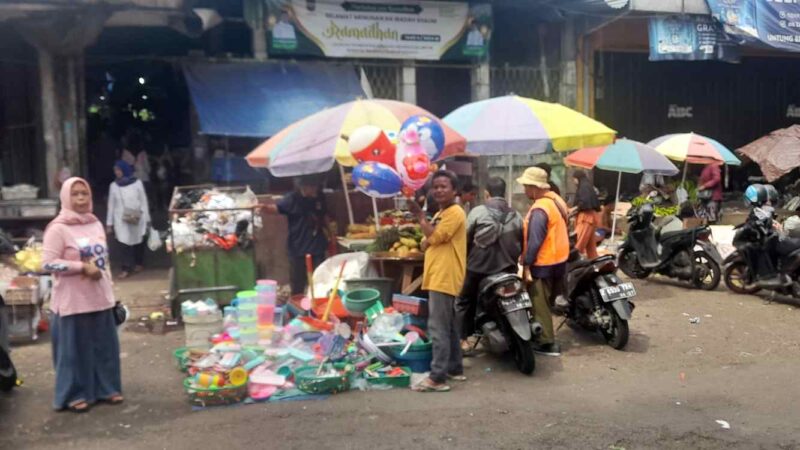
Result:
[687,255]
[505,319]
[759,245]
[597,299]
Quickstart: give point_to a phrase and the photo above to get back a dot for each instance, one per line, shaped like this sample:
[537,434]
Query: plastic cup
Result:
[247,312]
[248,336]
[266,298]
[277,319]
[266,314]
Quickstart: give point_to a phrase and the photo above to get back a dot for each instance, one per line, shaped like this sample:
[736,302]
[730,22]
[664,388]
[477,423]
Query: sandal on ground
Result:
[79,407]
[138,269]
[114,399]
[123,275]
[428,385]
[460,377]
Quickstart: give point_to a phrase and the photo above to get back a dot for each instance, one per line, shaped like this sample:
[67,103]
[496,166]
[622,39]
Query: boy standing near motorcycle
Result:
[445,248]
[545,251]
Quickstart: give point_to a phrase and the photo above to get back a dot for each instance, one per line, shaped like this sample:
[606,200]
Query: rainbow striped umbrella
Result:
[694,149]
[623,156]
[311,145]
[514,125]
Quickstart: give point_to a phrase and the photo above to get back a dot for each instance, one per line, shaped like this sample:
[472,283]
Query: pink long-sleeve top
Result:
[65,249]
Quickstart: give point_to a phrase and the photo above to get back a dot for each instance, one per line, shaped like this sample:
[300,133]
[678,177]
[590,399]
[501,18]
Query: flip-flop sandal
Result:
[114,400]
[425,386]
[75,407]
[461,377]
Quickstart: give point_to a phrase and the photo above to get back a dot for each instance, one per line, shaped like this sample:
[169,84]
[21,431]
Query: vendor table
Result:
[409,283]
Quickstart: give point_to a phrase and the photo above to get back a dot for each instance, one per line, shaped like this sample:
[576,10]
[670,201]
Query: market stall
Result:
[211,238]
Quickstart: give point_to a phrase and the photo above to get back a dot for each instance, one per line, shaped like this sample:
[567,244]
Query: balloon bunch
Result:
[391,163]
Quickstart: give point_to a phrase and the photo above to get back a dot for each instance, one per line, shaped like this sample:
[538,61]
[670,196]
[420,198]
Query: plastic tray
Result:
[400,381]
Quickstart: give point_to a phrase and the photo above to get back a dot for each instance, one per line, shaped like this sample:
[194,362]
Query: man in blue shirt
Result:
[305,210]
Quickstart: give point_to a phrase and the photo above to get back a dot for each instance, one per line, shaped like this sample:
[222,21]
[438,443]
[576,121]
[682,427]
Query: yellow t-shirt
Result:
[446,255]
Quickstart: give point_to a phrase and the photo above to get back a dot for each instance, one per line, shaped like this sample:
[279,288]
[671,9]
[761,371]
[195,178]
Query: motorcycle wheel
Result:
[523,354]
[710,275]
[616,336]
[630,266]
[736,275]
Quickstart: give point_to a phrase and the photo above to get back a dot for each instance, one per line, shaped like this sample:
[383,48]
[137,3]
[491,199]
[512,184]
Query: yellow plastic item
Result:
[237,376]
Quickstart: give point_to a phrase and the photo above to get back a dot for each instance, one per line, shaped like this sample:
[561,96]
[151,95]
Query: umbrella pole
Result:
[509,176]
[614,218]
[375,214]
[685,169]
[346,195]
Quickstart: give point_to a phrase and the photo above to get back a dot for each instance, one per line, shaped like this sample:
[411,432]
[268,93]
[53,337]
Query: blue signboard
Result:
[690,38]
[775,23]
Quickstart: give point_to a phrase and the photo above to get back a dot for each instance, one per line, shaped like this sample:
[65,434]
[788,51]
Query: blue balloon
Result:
[430,132]
[377,179]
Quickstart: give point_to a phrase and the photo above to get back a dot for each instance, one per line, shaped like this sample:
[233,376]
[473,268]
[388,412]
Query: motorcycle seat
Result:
[672,234]
[587,262]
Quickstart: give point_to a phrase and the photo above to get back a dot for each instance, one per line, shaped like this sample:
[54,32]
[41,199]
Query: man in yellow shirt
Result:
[445,247]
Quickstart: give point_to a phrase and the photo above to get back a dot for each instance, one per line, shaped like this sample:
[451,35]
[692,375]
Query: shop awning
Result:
[260,99]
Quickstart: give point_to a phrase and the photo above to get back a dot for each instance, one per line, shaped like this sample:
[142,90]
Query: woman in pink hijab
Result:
[84,333]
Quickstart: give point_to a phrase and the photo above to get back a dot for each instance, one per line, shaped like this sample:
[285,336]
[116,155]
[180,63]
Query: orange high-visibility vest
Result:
[555,248]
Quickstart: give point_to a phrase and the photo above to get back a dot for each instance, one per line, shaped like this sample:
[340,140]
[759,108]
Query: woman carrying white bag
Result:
[128,217]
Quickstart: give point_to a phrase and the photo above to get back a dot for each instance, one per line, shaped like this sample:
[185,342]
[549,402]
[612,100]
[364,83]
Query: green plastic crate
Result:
[401,381]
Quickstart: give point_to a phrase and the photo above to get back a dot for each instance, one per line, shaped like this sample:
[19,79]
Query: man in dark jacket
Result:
[494,244]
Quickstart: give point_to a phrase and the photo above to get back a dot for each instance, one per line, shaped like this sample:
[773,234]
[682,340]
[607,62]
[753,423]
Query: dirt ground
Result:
[739,364]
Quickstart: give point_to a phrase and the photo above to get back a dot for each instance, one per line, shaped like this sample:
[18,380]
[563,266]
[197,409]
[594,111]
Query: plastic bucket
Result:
[359,300]
[383,285]
[199,329]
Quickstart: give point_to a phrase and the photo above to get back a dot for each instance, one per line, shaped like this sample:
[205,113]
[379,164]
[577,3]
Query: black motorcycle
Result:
[597,299]
[505,321]
[687,255]
[760,247]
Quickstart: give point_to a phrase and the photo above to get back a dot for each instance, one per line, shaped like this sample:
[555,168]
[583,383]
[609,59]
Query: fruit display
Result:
[400,241]
[659,211]
[395,217]
[361,231]
[29,259]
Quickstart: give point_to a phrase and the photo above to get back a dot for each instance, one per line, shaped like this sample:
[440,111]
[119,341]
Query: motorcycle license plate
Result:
[618,292]
[521,301]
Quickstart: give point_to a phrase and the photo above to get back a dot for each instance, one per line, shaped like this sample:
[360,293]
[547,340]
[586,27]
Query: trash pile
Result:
[213,218]
[264,351]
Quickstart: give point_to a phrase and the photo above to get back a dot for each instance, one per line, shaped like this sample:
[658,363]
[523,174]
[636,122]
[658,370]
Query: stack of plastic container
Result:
[267,311]
[247,308]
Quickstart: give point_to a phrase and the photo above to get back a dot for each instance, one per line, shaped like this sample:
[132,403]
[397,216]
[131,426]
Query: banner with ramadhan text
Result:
[421,30]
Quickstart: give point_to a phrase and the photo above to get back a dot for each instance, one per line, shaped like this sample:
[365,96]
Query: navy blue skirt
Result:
[86,358]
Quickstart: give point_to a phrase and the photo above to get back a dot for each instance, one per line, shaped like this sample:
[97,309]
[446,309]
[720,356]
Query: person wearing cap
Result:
[545,250]
[306,213]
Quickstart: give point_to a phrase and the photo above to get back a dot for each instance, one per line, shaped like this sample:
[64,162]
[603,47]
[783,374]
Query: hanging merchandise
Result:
[209,217]
[430,132]
[377,179]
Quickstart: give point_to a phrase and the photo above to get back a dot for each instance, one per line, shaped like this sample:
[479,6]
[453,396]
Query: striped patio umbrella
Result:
[622,156]
[694,149]
[313,144]
[514,125]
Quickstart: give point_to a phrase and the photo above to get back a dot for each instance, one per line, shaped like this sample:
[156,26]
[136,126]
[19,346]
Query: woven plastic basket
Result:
[227,395]
[306,379]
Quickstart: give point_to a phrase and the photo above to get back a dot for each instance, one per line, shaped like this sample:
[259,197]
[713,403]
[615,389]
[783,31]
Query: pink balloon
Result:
[413,164]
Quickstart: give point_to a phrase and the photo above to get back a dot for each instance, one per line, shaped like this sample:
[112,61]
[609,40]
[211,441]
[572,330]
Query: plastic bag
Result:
[792,226]
[681,195]
[154,241]
[325,275]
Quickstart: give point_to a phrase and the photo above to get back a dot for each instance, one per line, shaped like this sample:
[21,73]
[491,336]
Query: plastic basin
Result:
[383,285]
[359,300]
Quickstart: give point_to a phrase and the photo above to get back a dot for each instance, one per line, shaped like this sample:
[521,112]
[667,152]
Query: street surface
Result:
[739,364]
